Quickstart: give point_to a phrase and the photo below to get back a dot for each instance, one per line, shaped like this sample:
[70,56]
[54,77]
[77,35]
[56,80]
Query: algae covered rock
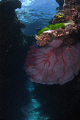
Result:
[51,27]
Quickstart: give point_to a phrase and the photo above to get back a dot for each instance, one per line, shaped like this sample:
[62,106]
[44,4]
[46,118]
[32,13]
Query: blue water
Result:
[36,14]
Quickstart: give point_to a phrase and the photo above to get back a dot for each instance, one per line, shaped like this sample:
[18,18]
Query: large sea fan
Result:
[54,63]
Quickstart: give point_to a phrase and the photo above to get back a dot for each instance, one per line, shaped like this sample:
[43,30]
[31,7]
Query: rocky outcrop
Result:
[11,53]
[60,2]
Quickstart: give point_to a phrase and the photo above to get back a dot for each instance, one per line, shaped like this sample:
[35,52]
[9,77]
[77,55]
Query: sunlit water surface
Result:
[36,14]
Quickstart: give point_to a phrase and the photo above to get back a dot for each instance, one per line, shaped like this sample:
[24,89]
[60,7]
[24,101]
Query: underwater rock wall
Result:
[12,54]
[60,2]
[12,40]
[10,26]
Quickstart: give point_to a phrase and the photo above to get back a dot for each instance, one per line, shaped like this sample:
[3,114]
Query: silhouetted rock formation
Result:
[11,48]
[60,2]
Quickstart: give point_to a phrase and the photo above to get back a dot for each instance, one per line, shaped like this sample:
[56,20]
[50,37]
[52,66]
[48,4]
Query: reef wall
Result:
[60,2]
[12,53]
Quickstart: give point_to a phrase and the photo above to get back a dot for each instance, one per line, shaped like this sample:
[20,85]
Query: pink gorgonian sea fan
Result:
[54,63]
